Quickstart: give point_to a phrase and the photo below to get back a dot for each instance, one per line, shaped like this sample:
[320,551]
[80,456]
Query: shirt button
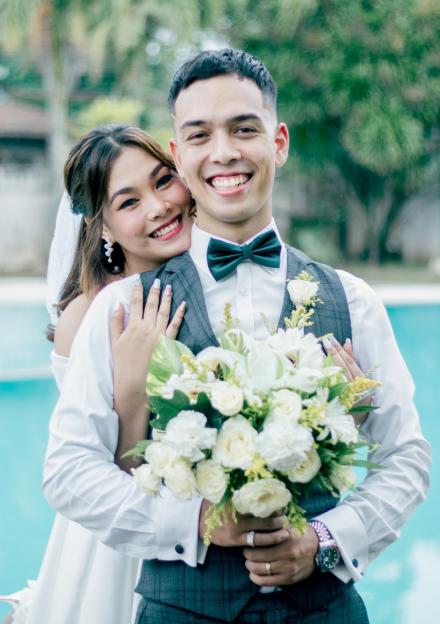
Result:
[244,292]
[355,562]
[179,549]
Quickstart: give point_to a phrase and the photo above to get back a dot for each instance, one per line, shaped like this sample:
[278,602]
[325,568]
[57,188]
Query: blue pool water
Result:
[399,588]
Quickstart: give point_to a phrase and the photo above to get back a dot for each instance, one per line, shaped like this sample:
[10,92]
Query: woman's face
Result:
[147,210]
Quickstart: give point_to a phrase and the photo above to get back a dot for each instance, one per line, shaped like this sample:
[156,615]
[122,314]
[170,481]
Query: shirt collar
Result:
[200,241]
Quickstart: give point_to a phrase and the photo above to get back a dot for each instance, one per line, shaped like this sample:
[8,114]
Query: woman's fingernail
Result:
[348,342]
[183,304]
[327,344]
[156,283]
[168,289]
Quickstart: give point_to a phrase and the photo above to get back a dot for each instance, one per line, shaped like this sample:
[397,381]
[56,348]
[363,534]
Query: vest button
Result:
[179,549]
[355,563]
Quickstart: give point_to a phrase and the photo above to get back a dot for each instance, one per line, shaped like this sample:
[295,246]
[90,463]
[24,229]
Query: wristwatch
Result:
[328,555]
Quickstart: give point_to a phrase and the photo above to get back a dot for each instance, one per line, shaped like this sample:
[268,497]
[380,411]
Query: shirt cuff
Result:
[349,533]
[177,529]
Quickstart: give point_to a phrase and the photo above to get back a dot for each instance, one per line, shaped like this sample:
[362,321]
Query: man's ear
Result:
[281,144]
[174,148]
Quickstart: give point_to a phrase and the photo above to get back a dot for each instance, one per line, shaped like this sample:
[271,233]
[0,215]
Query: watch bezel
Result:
[321,556]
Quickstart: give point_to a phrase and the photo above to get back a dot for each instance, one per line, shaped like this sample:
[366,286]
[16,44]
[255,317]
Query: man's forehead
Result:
[219,99]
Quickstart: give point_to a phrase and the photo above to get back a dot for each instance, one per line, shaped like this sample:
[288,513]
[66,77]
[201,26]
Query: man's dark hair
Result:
[212,63]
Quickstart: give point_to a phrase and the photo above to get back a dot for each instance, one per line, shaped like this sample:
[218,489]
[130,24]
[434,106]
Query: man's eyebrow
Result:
[235,119]
[130,189]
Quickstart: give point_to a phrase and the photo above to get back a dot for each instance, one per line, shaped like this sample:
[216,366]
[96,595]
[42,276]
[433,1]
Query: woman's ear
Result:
[106,234]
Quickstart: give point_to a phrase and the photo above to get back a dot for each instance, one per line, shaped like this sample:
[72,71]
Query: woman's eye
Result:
[128,203]
[164,180]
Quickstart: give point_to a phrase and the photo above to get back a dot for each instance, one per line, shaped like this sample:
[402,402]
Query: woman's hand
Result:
[343,357]
[132,347]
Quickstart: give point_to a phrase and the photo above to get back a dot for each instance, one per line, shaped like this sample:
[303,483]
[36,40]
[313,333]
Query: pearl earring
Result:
[108,246]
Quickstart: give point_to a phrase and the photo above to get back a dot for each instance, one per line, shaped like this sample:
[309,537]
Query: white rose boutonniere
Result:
[302,291]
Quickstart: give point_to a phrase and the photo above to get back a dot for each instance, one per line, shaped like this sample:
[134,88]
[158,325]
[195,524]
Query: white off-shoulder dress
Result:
[81,581]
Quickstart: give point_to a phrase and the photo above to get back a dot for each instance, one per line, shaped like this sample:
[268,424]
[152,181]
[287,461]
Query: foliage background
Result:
[359,86]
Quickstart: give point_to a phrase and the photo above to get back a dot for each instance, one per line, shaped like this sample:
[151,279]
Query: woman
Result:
[136,215]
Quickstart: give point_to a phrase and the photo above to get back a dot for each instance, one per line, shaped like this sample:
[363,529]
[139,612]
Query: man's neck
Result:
[237,233]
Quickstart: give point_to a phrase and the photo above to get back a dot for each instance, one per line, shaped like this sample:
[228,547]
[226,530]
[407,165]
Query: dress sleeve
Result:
[81,480]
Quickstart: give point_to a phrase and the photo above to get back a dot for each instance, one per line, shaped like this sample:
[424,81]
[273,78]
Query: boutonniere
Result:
[303,291]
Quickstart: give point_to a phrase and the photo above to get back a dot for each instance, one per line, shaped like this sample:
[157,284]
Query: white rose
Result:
[301,291]
[227,398]
[211,480]
[235,445]
[157,434]
[146,479]
[180,479]
[265,368]
[261,498]
[343,477]
[284,445]
[305,472]
[285,404]
[159,456]
[188,436]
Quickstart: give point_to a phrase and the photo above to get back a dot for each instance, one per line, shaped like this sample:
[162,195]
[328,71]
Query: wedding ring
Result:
[268,568]
[250,539]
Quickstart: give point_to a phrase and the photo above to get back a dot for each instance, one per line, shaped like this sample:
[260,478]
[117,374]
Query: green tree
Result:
[359,85]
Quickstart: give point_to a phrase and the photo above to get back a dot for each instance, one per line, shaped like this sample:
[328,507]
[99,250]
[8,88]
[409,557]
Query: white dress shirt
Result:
[82,481]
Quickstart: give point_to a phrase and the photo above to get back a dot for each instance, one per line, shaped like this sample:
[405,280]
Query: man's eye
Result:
[164,180]
[197,136]
[245,130]
[128,203]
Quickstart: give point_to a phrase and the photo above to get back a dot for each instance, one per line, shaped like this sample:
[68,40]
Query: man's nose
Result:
[224,150]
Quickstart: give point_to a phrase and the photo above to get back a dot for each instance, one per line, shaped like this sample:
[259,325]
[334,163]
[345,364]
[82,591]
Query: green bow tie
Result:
[224,258]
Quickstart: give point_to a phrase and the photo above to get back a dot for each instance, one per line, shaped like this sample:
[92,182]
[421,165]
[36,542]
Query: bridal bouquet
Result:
[252,425]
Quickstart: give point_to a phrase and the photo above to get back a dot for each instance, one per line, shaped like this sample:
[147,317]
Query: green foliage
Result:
[359,86]
[107,110]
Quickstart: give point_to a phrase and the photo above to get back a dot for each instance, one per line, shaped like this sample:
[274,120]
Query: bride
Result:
[135,214]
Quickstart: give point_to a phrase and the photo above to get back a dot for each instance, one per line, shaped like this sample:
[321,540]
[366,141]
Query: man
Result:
[228,144]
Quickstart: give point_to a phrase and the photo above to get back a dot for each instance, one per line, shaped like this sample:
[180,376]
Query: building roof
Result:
[23,120]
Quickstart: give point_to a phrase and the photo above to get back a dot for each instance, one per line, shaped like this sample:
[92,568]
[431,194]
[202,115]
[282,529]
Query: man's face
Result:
[227,146]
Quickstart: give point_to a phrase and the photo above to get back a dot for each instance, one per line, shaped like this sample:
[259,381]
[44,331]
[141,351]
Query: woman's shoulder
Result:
[69,322]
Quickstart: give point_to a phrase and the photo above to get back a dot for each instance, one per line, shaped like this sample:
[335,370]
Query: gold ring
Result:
[268,568]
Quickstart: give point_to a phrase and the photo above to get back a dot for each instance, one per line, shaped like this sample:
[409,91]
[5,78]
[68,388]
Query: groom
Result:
[227,147]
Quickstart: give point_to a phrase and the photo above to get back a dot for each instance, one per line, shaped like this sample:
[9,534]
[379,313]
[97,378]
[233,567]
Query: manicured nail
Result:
[327,344]
[168,289]
[183,304]
[348,342]
[156,283]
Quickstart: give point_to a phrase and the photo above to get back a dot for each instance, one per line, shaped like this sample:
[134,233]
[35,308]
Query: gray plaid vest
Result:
[220,588]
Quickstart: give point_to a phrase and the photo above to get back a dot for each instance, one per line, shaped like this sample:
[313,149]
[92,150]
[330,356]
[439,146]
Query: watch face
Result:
[328,557]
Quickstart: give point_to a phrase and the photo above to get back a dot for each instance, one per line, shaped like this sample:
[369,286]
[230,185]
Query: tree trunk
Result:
[56,97]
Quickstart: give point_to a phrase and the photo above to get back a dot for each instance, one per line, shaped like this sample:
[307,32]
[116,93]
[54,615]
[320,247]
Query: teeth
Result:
[165,230]
[229,181]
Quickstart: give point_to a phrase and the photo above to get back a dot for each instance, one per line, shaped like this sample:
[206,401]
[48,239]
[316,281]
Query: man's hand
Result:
[268,531]
[290,562]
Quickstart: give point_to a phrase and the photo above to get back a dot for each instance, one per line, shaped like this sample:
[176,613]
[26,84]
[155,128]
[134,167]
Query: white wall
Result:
[26,219]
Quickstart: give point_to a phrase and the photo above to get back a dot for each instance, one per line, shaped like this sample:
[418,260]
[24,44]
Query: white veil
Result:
[62,251]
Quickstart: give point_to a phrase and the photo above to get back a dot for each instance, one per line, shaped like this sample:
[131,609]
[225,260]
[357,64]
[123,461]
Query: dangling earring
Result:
[108,245]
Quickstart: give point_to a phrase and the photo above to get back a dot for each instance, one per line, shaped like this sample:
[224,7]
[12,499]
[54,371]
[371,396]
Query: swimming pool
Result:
[398,587]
